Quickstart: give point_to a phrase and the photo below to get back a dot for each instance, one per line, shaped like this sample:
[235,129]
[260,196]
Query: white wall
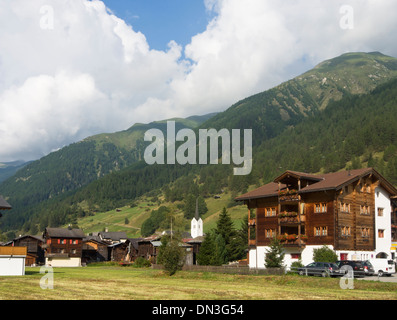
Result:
[306,256]
[12,266]
[382,200]
[67,262]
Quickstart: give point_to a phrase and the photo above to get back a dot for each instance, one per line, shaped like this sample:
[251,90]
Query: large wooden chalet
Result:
[350,211]
[63,247]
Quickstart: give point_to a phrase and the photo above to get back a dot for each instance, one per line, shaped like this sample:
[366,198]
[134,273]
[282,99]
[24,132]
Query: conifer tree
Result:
[275,255]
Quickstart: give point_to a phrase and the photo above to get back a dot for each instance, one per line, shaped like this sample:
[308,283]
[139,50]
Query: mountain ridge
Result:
[268,113]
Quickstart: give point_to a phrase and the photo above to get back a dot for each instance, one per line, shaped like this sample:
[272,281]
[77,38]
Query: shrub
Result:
[141,263]
[324,254]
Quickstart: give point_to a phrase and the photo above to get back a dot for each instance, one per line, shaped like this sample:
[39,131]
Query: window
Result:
[365,210]
[296,256]
[345,231]
[345,207]
[381,233]
[270,212]
[270,233]
[320,207]
[320,231]
[365,232]
[380,212]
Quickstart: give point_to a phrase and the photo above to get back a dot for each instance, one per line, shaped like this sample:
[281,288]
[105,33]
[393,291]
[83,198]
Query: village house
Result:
[63,247]
[112,237]
[33,244]
[12,259]
[94,250]
[349,211]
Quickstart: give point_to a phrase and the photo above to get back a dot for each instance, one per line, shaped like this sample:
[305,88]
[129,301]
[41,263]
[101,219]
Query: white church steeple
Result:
[196,224]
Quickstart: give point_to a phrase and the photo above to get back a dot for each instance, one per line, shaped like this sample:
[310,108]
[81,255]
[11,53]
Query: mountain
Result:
[8,169]
[80,163]
[104,171]
[269,113]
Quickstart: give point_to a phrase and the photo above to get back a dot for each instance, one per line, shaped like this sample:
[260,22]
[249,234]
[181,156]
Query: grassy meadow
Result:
[106,282]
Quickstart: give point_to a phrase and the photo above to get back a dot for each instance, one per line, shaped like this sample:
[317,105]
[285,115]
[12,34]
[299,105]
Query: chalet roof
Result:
[340,179]
[29,236]
[94,239]
[329,181]
[134,242]
[297,175]
[64,233]
[114,236]
[268,190]
[4,205]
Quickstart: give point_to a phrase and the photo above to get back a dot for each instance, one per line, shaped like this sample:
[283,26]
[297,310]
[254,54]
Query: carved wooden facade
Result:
[301,209]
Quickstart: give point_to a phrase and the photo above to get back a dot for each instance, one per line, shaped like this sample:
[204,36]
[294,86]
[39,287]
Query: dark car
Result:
[324,269]
[368,268]
[356,266]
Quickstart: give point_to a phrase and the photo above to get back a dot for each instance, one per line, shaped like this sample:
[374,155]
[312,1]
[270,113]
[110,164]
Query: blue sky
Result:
[162,21]
[70,69]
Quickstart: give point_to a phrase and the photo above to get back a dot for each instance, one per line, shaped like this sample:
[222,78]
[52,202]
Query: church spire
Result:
[196,215]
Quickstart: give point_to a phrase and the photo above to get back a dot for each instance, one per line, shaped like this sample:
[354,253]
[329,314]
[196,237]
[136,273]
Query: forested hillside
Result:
[72,167]
[322,121]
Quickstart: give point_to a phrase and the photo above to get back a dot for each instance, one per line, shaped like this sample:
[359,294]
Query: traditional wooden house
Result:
[35,252]
[113,237]
[94,250]
[12,259]
[63,247]
[349,211]
[148,248]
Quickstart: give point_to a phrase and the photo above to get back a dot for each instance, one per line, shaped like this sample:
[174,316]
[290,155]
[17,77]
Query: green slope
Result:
[280,119]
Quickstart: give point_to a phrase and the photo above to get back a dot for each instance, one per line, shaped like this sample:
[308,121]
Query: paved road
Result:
[393,278]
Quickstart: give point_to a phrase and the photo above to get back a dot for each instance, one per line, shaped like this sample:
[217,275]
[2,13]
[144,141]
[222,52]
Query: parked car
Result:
[357,267]
[383,267]
[368,268]
[323,269]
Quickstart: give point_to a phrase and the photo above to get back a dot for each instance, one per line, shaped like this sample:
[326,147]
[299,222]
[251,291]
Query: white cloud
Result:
[90,72]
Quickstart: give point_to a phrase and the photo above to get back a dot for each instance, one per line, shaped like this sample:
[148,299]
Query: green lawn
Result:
[127,283]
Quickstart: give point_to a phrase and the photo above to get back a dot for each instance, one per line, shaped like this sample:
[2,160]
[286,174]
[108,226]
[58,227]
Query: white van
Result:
[383,267]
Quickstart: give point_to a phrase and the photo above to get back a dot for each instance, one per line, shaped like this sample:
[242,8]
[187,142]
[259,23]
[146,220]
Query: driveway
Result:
[393,278]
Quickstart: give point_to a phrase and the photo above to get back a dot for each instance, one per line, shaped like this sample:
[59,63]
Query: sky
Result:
[70,69]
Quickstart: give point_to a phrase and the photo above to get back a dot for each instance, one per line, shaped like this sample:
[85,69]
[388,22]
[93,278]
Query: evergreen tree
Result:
[204,257]
[275,254]
[239,243]
[220,253]
[224,226]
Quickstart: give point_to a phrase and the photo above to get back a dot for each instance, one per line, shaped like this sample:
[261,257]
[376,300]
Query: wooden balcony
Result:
[289,197]
[293,240]
[252,242]
[251,222]
[291,218]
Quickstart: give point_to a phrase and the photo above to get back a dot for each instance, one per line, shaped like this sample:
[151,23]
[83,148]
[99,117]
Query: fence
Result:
[13,251]
[244,270]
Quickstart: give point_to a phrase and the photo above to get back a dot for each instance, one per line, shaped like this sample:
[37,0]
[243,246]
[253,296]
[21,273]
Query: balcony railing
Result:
[290,218]
[288,196]
[292,240]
